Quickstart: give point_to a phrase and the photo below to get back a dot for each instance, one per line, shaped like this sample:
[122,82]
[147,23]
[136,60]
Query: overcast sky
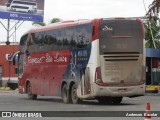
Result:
[84,9]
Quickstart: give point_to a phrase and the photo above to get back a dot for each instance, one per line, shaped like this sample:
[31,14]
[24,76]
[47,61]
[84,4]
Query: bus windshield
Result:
[24,2]
[120,36]
[20,7]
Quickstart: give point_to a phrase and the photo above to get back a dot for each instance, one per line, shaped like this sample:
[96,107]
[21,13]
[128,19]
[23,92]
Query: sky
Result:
[82,9]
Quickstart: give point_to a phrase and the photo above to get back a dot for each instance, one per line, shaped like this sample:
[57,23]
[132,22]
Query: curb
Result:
[152,94]
[5,88]
[152,89]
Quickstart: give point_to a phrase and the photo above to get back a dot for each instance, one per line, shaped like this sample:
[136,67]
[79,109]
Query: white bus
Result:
[22,6]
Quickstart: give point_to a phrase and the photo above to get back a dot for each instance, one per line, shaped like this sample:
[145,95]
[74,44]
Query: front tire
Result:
[65,94]
[29,93]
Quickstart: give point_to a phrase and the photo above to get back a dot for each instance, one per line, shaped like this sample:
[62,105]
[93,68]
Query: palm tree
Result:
[154,9]
[53,20]
[152,34]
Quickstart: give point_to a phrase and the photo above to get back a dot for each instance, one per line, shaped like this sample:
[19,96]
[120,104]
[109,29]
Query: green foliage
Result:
[37,24]
[53,20]
[152,29]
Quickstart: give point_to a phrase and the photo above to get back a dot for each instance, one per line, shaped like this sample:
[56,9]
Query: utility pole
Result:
[8,29]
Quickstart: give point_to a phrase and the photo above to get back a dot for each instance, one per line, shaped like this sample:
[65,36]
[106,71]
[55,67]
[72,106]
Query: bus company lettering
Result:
[60,58]
[35,60]
[47,58]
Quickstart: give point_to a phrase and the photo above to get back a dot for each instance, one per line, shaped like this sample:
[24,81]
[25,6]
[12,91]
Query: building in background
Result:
[152,70]
[7,70]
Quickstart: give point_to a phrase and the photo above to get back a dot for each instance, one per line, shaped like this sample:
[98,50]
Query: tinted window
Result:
[22,2]
[60,39]
[23,40]
[83,34]
[23,43]
[121,36]
[20,7]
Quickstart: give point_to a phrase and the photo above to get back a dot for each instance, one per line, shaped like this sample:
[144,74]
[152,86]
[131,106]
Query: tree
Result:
[53,20]
[152,34]
[153,11]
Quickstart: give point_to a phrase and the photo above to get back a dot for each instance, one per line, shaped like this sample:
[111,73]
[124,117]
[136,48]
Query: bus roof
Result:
[59,25]
[68,23]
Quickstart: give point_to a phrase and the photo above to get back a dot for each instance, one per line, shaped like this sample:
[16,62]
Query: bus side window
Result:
[30,44]
[52,41]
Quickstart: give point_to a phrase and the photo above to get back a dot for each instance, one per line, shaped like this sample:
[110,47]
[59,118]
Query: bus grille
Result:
[121,57]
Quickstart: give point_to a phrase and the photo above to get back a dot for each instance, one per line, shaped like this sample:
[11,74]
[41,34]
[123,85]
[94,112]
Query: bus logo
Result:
[106,28]
[6,114]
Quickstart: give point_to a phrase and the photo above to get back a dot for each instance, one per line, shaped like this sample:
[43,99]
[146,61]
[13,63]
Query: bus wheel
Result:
[117,100]
[74,97]
[30,95]
[12,86]
[104,100]
[65,94]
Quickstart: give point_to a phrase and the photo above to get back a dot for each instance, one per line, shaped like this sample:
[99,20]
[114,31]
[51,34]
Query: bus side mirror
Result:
[15,59]
[16,70]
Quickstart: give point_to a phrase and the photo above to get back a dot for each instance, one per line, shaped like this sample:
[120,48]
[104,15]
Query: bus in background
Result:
[99,59]
[22,6]
[7,74]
